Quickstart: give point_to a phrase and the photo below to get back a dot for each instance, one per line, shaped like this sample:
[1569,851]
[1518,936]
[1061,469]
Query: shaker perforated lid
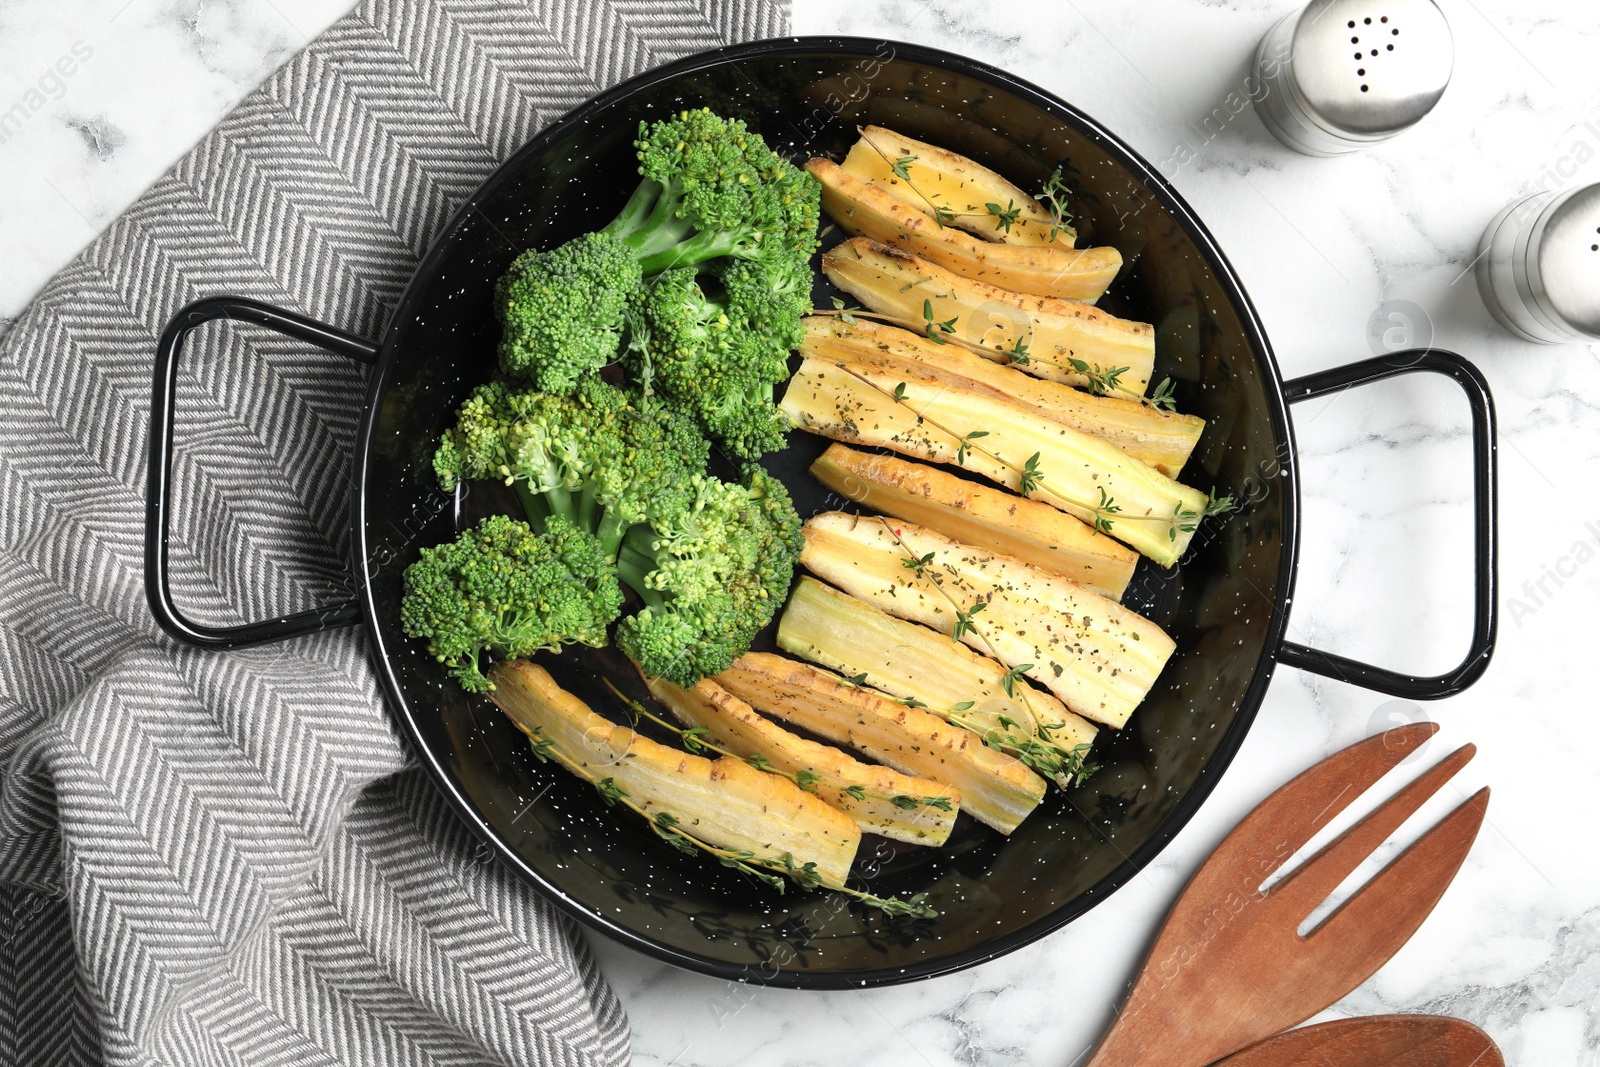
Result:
[1568,258]
[1371,68]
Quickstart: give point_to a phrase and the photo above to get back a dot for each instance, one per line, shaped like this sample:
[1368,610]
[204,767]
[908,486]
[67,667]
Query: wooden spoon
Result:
[1230,968]
[1376,1041]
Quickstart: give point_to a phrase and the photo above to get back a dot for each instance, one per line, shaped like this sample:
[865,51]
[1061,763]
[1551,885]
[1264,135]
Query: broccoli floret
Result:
[719,356]
[712,189]
[602,458]
[769,296]
[682,335]
[561,312]
[711,560]
[716,338]
[502,589]
[513,434]
[710,576]
[712,194]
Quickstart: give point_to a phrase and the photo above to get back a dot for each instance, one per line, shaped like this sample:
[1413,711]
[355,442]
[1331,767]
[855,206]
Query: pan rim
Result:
[1169,201]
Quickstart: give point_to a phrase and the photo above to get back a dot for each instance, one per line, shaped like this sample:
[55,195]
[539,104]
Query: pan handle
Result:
[1484,620]
[159,488]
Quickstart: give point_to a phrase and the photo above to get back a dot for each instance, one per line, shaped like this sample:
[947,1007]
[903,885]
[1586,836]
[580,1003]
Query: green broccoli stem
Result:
[703,246]
[639,208]
[540,506]
[610,530]
[649,232]
[587,509]
[633,567]
[758,394]
[651,225]
[533,505]
[584,510]
[642,540]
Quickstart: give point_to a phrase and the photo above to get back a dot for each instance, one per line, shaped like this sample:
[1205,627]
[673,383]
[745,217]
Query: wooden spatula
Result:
[1376,1041]
[1229,967]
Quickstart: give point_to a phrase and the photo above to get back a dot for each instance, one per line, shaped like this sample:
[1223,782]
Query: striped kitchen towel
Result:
[230,858]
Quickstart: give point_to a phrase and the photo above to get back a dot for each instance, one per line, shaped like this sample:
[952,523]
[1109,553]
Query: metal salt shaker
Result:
[1343,74]
[1539,266]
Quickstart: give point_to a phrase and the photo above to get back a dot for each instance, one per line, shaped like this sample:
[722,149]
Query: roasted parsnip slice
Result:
[1051,333]
[1162,439]
[913,662]
[880,800]
[1035,533]
[996,789]
[867,209]
[1097,656]
[962,189]
[725,802]
[1084,476]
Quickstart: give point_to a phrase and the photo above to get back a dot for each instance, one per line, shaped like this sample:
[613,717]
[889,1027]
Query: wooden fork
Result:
[1376,1041]
[1229,967]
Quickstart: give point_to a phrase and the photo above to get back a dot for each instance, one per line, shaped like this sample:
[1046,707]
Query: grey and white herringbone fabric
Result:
[228,858]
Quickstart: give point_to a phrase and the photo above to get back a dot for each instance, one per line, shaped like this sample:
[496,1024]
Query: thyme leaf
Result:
[1004,216]
[1031,476]
[932,327]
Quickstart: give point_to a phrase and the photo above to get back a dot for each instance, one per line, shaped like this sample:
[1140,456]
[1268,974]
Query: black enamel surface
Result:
[1224,604]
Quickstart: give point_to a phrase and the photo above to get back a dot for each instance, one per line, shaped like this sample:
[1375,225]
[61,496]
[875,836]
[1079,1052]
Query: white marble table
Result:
[1325,246]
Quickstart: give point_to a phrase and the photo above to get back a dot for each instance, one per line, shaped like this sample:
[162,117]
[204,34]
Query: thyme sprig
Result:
[1020,670]
[1106,507]
[1107,381]
[1072,767]
[1161,397]
[1054,194]
[775,871]
[901,168]
[1005,216]
[696,740]
[1103,381]
[915,906]
[1045,758]
[1187,519]
[1098,381]
[1103,513]
[966,444]
[1067,766]
[965,624]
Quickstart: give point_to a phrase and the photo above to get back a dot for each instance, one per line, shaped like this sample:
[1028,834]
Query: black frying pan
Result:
[1226,603]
